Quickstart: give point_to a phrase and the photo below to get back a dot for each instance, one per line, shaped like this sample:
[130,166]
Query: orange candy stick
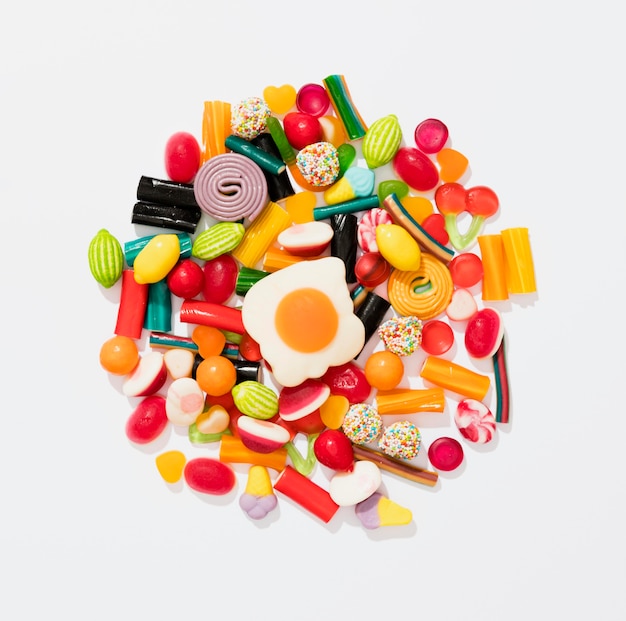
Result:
[261,234]
[410,401]
[215,128]
[494,268]
[234,451]
[519,267]
[454,377]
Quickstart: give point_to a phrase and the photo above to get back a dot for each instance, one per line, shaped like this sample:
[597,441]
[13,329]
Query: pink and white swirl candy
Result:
[475,421]
[230,186]
[366,229]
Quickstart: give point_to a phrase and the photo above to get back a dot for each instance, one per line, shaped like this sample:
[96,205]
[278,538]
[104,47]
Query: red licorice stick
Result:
[218,316]
[132,309]
[306,493]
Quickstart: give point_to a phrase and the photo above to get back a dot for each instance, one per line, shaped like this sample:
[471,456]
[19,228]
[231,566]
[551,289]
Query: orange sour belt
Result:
[456,378]
[425,292]
[519,266]
[494,271]
[410,401]
[215,128]
[234,451]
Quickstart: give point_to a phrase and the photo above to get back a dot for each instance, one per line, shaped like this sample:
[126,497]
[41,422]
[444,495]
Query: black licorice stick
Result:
[278,186]
[371,312]
[344,242]
[166,216]
[165,192]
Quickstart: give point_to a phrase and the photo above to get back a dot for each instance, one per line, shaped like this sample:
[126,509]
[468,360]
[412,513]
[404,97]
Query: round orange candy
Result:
[216,375]
[384,370]
[119,355]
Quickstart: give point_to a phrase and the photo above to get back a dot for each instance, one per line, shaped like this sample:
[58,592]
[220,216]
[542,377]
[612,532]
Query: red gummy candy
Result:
[349,381]
[302,129]
[445,454]
[182,157]
[220,279]
[209,476]
[431,135]
[416,169]
[147,421]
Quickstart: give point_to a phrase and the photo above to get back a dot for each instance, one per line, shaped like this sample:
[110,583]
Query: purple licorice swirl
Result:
[230,186]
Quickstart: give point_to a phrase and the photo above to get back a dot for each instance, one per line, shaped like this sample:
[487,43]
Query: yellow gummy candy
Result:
[392,514]
[259,483]
[171,465]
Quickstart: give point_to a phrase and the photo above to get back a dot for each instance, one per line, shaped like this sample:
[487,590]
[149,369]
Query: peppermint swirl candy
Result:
[230,186]
[366,229]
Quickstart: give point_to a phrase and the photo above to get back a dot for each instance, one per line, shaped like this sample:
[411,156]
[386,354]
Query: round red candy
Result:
[182,157]
[445,454]
[416,169]
[186,279]
[302,129]
[431,135]
[437,337]
[371,269]
[312,99]
[466,270]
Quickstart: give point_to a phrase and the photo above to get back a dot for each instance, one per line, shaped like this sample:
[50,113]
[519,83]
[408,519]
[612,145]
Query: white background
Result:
[530,528]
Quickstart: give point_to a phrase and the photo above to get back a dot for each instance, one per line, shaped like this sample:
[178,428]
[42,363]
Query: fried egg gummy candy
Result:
[302,317]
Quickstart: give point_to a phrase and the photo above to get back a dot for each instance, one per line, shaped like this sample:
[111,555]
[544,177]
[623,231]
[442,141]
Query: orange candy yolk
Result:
[306,320]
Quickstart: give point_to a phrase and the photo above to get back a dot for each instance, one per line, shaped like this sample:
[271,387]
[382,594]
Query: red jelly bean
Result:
[348,380]
[416,169]
[209,476]
[220,278]
[437,337]
[182,157]
[302,129]
[148,420]
[466,270]
[431,135]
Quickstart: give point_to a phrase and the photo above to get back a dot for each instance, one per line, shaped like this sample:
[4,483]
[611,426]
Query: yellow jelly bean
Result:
[398,247]
[157,258]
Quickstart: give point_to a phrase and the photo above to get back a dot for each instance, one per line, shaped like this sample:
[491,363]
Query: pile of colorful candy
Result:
[290,240]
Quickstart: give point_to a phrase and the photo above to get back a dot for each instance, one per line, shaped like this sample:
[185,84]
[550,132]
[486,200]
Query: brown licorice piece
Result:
[396,466]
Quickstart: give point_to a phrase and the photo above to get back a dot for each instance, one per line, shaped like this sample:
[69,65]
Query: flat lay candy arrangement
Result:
[295,309]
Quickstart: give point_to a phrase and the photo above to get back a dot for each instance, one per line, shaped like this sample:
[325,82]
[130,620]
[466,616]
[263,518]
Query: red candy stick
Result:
[210,314]
[132,309]
[306,493]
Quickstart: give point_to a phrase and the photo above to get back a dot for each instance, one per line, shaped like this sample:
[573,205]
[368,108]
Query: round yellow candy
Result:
[157,258]
[398,247]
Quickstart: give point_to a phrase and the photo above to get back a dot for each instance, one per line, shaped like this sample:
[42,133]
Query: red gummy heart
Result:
[435,226]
